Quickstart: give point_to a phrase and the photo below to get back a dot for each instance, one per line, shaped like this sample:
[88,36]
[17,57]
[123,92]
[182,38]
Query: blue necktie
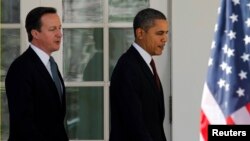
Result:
[55,76]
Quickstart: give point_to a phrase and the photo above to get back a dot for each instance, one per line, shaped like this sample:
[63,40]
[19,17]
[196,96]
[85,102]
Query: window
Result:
[88,60]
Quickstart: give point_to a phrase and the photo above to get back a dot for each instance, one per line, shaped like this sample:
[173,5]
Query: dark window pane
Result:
[10,48]
[120,39]
[4,115]
[82,11]
[10,11]
[85,113]
[83,54]
[125,10]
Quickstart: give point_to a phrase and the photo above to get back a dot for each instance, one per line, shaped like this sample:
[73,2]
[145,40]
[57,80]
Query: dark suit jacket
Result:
[36,112]
[137,106]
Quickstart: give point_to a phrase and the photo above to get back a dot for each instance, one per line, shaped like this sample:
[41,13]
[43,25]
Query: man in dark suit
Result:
[36,105]
[136,94]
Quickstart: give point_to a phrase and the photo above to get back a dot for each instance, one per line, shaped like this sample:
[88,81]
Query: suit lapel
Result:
[43,71]
[145,68]
[142,64]
[39,65]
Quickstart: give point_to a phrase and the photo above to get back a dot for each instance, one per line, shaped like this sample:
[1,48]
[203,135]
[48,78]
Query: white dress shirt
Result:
[145,55]
[43,56]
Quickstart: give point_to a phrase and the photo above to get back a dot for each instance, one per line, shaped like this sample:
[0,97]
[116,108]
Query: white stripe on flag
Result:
[210,108]
[241,116]
[201,137]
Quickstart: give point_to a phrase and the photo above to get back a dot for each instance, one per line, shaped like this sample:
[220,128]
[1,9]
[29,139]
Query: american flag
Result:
[226,93]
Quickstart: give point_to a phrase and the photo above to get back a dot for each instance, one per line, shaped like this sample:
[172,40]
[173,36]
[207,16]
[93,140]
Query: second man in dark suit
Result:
[136,94]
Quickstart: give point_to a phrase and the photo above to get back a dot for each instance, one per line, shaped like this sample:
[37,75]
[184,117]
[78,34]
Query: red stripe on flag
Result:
[204,126]
[248,107]
[230,121]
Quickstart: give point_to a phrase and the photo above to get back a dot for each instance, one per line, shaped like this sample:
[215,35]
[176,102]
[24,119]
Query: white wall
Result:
[192,33]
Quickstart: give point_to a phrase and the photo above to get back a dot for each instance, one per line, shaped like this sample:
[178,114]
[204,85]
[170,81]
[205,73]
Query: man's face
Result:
[49,38]
[153,40]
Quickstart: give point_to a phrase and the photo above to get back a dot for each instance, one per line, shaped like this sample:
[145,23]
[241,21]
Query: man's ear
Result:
[35,33]
[139,33]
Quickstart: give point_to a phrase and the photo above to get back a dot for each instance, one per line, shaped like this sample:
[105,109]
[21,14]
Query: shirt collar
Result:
[41,54]
[145,55]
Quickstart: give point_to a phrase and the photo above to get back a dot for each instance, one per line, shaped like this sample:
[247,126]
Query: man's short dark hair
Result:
[33,19]
[145,18]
